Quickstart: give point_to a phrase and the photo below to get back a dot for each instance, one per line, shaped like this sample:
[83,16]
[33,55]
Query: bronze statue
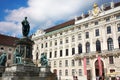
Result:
[43,60]
[3,59]
[25,27]
[17,57]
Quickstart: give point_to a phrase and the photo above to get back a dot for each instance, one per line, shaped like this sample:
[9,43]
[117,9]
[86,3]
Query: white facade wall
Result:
[74,31]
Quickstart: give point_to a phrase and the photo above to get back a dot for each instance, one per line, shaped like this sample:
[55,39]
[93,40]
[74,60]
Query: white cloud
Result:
[10,27]
[43,13]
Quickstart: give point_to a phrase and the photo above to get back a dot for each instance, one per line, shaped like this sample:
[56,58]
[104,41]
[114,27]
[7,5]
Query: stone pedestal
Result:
[25,49]
[21,72]
[2,69]
[46,74]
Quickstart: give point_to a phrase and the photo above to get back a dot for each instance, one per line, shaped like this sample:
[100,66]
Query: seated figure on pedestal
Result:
[3,59]
[43,60]
[17,57]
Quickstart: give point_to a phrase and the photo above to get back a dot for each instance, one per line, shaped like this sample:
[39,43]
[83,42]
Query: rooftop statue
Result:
[17,57]
[25,27]
[96,10]
[3,59]
[43,60]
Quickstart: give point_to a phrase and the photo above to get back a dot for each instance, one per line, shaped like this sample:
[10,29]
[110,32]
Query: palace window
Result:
[87,61]
[110,44]
[73,51]
[73,38]
[80,72]
[66,40]
[46,45]
[119,42]
[73,62]
[86,25]
[60,72]
[79,28]
[60,63]
[79,62]
[55,42]
[54,63]
[97,32]
[87,35]
[79,36]
[50,56]
[66,52]
[87,47]
[66,72]
[111,60]
[79,48]
[55,55]
[118,26]
[73,72]
[41,45]
[108,29]
[107,19]
[96,23]
[98,46]
[118,16]
[66,63]
[60,33]
[61,41]
[60,53]
[37,56]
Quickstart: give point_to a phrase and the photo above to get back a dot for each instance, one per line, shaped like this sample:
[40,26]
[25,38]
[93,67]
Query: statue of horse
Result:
[3,59]
[43,60]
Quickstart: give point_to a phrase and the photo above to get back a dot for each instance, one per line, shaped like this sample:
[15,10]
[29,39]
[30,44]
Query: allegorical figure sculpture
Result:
[25,27]
[43,60]
[3,59]
[17,57]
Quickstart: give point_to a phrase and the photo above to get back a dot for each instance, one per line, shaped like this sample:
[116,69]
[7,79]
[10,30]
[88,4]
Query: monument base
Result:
[28,72]
[46,74]
[21,72]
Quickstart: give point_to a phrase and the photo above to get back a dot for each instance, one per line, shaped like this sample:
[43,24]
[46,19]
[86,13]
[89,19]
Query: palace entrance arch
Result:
[99,68]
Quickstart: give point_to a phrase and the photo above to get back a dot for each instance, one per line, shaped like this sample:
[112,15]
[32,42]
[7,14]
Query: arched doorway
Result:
[99,69]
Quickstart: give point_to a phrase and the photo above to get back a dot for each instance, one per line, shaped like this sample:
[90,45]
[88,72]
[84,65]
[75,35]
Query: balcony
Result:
[103,54]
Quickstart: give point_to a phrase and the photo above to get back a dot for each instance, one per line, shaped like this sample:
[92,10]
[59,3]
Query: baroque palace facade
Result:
[84,48]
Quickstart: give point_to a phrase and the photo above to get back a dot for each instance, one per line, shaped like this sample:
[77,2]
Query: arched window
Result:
[79,48]
[110,44]
[87,47]
[119,42]
[98,46]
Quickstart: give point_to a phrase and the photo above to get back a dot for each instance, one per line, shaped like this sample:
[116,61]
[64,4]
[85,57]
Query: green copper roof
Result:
[59,30]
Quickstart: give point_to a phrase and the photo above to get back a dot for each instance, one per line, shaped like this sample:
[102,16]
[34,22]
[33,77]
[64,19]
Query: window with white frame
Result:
[73,62]
[79,36]
[80,72]
[66,63]
[66,72]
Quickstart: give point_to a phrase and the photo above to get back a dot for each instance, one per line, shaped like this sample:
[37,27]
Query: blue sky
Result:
[41,14]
